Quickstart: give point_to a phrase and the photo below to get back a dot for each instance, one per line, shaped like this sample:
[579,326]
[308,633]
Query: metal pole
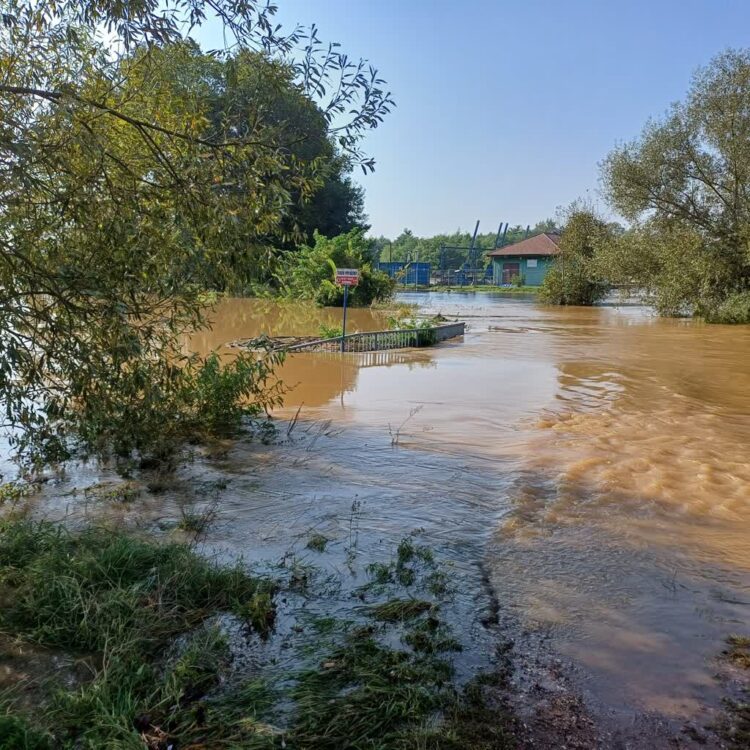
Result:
[497,236]
[416,271]
[472,260]
[343,328]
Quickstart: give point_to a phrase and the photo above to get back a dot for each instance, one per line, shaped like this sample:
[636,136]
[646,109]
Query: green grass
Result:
[123,602]
[147,617]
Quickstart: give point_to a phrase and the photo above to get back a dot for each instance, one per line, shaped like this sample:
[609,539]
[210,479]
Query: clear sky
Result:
[506,108]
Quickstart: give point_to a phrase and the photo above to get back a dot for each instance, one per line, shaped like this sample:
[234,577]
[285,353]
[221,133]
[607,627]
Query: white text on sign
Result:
[347,276]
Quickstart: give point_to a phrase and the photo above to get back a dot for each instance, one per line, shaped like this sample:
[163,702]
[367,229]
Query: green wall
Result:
[532,276]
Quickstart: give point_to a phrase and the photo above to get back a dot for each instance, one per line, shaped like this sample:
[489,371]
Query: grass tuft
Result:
[317,543]
[399,610]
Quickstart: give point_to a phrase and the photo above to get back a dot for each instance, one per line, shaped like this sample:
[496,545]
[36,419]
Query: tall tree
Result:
[686,183]
[119,186]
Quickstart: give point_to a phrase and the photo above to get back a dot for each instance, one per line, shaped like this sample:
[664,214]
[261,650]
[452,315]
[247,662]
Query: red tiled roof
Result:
[545,243]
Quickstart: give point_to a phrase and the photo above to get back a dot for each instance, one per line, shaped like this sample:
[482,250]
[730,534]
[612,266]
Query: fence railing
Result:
[375,341]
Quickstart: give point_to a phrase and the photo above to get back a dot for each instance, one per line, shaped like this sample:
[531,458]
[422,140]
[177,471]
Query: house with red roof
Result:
[525,262]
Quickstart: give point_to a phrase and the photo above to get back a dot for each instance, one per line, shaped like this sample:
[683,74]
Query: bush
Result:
[310,272]
[734,309]
[568,282]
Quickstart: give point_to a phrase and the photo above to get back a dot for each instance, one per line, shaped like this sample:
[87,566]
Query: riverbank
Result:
[165,637]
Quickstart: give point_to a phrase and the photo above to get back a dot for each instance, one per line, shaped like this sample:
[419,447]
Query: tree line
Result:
[409,247]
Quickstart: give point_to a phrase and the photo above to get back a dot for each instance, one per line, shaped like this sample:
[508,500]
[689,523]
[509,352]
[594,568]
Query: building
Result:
[527,261]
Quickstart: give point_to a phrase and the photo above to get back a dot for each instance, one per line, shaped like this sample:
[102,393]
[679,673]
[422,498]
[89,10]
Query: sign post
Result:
[346,277]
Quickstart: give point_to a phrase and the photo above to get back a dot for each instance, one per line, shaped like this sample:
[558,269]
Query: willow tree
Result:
[685,183]
[121,183]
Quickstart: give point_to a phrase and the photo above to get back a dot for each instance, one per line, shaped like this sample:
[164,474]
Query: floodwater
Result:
[595,459]
[584,469]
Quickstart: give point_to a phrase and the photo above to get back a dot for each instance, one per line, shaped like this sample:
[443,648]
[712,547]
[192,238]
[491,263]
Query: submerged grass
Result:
[123,602]
[147,617]
[398,610]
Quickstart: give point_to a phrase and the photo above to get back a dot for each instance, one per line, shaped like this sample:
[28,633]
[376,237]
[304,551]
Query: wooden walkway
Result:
[376,341]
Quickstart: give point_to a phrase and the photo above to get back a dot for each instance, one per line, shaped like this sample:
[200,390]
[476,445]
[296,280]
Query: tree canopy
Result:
[135,171]
[685,184]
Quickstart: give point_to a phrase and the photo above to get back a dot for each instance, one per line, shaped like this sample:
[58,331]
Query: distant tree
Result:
[573,278]
[685,183]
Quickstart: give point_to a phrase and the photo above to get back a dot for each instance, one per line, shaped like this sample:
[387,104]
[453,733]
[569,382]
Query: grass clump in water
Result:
[399,610]
[317,543]
[123,602]
[368,695]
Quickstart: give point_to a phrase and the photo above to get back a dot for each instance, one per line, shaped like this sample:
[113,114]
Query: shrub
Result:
[330,332]
[733,309]
[309,273]
[569,282]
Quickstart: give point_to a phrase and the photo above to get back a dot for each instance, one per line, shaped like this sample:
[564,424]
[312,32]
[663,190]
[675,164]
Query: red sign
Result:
[347,276]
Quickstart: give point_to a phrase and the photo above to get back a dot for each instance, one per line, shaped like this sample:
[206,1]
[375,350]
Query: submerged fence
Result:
[375,341]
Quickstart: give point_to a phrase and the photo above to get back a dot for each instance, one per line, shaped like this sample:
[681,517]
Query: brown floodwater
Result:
[585,469]
[606,449]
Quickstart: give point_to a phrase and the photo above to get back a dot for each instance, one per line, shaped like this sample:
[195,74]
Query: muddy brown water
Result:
[589,466]
[618,445]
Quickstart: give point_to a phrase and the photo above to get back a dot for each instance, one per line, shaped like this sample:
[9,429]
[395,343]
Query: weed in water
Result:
[367,695]
[329,332]
[258,612]
[430,636]
[317,542]
[399,610]
[198,521]
[395,433]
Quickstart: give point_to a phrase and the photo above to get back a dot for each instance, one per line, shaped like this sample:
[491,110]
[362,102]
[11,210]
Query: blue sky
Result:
[506,108]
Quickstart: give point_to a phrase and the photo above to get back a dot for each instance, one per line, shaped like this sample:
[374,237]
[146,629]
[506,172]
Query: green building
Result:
[527,261]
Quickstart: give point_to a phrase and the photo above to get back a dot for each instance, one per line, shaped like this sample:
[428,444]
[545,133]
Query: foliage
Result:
[735,308]
[408,247]
[330,332]
[684,182]
[135,173]
[572,280]
[309,273]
